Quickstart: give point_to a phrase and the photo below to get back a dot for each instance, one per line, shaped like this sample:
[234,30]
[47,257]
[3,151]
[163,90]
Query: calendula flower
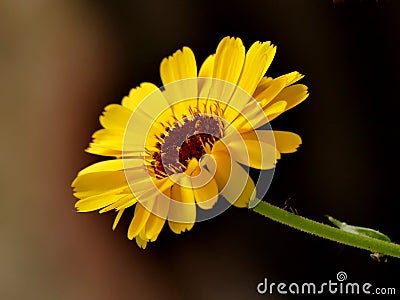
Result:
[181,148]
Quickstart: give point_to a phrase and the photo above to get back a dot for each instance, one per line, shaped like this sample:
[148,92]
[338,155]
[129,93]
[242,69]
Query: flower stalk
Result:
[328,232]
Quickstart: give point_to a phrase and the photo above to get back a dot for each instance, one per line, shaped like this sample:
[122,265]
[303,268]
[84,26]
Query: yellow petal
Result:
[286,142]
[91,184]
[292,95]
[152,104]
[254,118]
[103,166]
[274,110]
[157,219]
[155,105]
[293,77]
[116,140]
[181,65]
[205,188]
[279,90]
[83,194]
[250,117]
[136,95]
[154,226]
[206,69]
[258,59]
[112,165]
[248,194]
[145,188]
[96,202]
[220,166]
[229,59]
[233,181]
[103,150]
[117,218]
[228,65]
[124,202]
[109,138]
[115,117]
[185,209]
[239,189]
[207,196]
[139,221]
[259,152]
[141,240]
[264,83]
[275,87]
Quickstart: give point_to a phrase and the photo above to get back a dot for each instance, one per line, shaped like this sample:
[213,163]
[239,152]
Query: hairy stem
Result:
[327,232]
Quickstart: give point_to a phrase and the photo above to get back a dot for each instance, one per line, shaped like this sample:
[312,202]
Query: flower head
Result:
[180,149]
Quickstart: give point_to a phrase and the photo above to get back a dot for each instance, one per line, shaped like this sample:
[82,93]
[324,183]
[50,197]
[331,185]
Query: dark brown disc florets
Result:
[186,139]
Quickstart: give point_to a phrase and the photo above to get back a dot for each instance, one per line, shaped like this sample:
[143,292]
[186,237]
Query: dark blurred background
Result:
[61,62]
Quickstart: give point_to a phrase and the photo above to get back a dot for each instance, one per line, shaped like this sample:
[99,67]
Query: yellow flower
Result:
[179,148]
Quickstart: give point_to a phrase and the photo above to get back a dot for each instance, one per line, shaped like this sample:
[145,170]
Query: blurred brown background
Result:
[61,62]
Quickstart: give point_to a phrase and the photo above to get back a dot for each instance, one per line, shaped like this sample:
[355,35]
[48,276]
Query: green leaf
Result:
[359,230]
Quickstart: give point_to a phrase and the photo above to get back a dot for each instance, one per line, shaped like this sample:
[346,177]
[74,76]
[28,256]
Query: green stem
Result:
[327,232]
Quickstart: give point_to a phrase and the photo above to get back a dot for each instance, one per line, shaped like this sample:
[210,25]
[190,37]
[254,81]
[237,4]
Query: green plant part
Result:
[364,238]
[379,257]
[359,230]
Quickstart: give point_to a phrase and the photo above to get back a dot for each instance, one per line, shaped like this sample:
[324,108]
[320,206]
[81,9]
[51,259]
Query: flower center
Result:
[190,138]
